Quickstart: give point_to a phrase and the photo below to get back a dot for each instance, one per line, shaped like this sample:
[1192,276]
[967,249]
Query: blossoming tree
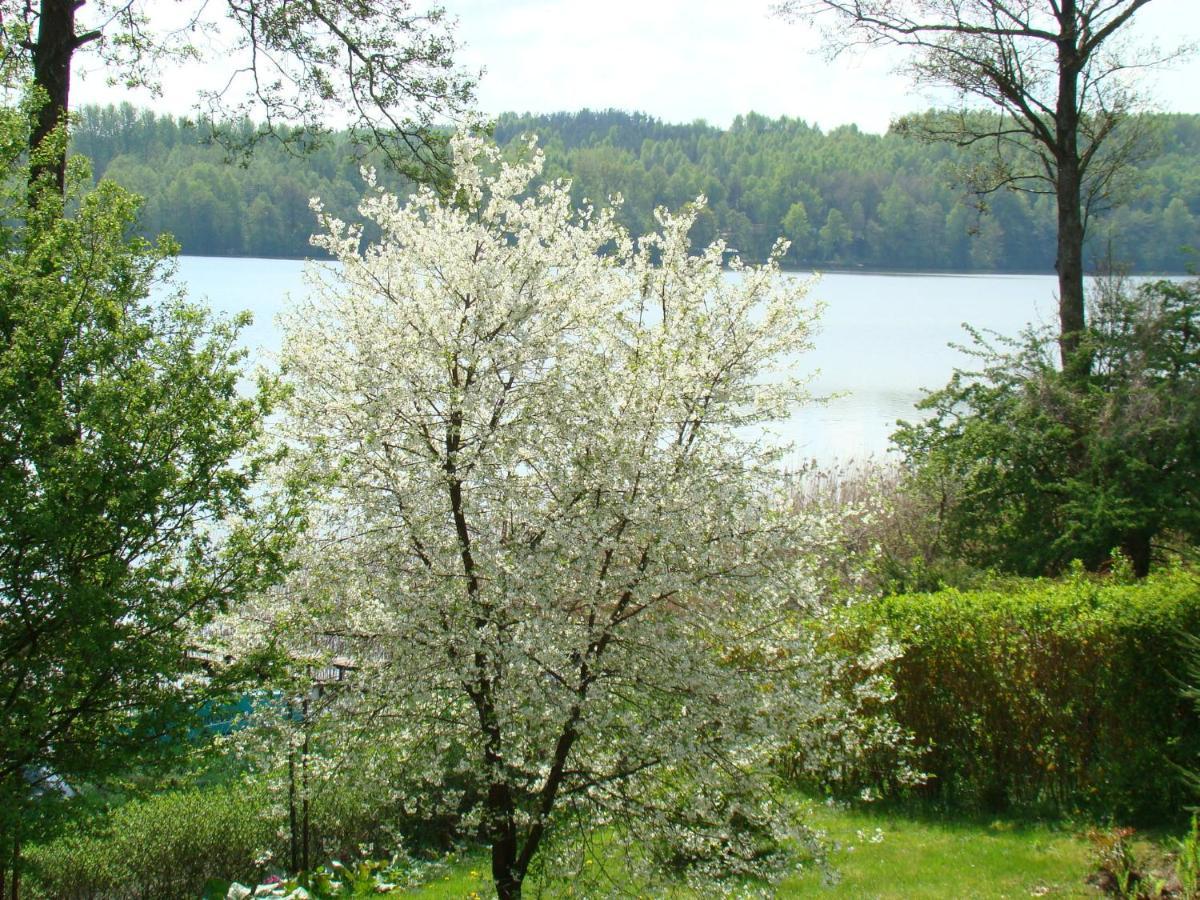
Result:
[552,539]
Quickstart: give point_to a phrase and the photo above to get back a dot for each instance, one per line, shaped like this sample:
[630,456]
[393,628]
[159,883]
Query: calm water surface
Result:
[882,338]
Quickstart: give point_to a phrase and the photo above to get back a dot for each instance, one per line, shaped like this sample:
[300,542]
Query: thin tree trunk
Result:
[304,805]
[294,843]
[1070,272]
[1069,194]
[16,866]
[501,820]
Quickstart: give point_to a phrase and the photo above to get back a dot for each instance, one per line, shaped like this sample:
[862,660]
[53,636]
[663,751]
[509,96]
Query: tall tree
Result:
[1054,72]
[127,515]
[387,67]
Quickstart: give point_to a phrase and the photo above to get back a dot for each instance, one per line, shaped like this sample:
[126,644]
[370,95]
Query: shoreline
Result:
[800,270]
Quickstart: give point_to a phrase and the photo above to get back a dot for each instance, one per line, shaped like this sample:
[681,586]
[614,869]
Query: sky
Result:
[682,60]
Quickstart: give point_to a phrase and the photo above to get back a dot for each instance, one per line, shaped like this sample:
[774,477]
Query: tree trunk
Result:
[294,842]
[16,865]
[56,43]
[1069,194]
[1137,547]
[505,849]
[305,862]
[1075,363]
[508,887]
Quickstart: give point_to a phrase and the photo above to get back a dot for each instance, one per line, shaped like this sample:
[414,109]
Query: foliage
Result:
[1059,695]
[842,197]
[127,508]
[363,878]
[1115,860]
[1033,470]
[1118,871]
[553,551]
[167,845]
[1058,77]
[1187,861]
[333,784]
[888,530]
[390,70]
[174,842]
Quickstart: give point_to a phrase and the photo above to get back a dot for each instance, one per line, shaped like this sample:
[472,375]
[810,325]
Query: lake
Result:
[882,338]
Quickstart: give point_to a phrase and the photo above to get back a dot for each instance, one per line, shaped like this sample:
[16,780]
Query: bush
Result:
[163,846]
[886,526]
[1054,695]
[1033,468]
[170,844]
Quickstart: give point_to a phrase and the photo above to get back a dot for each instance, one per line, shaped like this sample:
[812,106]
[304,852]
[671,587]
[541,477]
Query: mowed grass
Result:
[883,854]
[887,855]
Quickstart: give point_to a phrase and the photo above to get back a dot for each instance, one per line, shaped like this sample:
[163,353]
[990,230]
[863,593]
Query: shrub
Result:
[1187,861]
[163,846]
[887,527]
[1037,468]
[170,844]
[1061,695]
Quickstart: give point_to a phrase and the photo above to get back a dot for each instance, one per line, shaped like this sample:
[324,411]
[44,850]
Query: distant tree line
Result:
[844,198]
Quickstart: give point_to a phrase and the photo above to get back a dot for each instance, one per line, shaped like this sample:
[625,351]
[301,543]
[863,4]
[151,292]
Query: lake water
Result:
[882,338]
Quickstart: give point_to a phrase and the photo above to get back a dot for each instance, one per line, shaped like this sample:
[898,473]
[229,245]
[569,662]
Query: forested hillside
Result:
[844,198]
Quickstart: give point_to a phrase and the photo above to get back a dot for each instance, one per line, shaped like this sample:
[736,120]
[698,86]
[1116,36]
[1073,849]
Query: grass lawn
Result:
[882,854]
[926,857]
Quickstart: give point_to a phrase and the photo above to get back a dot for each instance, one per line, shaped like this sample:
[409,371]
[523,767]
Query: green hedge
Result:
[164,846]
[168,845]
[1061,695]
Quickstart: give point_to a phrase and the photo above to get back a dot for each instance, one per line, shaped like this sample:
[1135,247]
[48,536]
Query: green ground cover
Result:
[883,854]
[926,856]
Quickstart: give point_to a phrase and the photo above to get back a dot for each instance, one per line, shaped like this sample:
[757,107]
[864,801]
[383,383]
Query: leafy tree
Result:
[1180,232]
[955,243]
[561,568]
[835,236]
[1054,73]
[798,229]
[127,457]
[896,225]
[988,247]
[1037,470]
[391,69]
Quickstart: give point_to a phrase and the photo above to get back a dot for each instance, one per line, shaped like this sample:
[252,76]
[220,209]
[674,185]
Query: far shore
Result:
[799,270]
